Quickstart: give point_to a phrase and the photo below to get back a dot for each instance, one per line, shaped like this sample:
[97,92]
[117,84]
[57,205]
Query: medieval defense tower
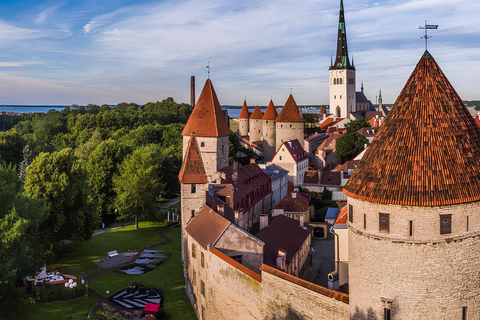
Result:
[269,134]
[414,208]
[256,125]
[205,150]
[243,120]
[342,75]
[289,123]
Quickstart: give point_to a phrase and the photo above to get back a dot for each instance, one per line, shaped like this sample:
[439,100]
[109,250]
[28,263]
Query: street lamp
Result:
[116,218]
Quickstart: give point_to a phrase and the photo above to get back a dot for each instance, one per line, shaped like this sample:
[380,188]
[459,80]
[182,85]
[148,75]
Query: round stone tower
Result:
[243,120]
[414,208]
[269,147]
[256,125]
[289,123]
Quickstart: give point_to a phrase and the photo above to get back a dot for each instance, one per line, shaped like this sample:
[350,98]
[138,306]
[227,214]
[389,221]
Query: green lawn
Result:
[55,310]
[177,206]
[168,277]
[79,257]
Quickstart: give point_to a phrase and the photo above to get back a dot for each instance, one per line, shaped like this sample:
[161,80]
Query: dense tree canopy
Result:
[349,145]
[355,125]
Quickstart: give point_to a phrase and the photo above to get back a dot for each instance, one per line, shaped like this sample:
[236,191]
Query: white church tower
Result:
[342,75]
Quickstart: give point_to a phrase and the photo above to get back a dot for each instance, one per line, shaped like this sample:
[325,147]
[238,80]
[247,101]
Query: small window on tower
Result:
[223,148]
[340,96]
[194,189]
[202,144]
[464,313]
[202,260]
[445,223]
[193,214]
[410,228]
[350,213]
[384,222]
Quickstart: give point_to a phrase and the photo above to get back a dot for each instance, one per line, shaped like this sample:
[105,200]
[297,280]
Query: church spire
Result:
[341,60]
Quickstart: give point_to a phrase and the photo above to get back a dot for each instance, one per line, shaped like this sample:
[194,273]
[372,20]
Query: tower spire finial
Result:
[426,36]
[341,60]
[208,69]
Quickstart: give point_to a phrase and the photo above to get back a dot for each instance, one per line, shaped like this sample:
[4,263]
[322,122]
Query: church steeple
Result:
[341,60]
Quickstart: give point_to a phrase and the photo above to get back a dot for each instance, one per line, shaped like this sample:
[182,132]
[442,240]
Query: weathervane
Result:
[208,69]
[426,27]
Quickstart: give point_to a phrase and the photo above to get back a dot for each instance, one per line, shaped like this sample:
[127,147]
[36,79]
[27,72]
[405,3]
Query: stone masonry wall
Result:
[286,131]
[428,275]
[214,152]
[269,139]
[256,129]
[243,127]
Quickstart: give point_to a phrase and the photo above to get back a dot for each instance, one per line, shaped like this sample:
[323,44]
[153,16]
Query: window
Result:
[364,221]
[340,96]
[202,260]
[410,228]
[350,213]
[202,287]
[384,222]
[194,250]
[464,313]
[334,97]
[194,278]
[194,189]
[386,314]
[468,226]
[203,312]
[445,223]
[280,158]
[202,144]
[193,214]
[223,148]
[290,126]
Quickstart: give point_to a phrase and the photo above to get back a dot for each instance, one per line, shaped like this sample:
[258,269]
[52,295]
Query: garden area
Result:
[77,258]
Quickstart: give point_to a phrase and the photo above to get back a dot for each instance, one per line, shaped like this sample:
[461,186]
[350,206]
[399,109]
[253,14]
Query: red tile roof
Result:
[295,149]
[207,119]
[427,152]
[244,112]
[206,227]
[282,233]
[291,204]
[477,120]
[192,170]
[290,112]
[257,114]
[322,110]
[342,216]
[271,112]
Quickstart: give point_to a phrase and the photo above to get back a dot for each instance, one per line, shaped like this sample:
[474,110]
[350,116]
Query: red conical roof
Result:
[192,170]
[271,112]
[244,111]
[427,153]
[257,114]
[207,119]
[290,112]
[322,110]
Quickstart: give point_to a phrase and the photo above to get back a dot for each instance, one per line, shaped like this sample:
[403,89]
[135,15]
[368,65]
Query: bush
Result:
[58,292]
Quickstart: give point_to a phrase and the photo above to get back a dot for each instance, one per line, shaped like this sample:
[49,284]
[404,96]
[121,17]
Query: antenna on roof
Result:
[208,68]
[426,27]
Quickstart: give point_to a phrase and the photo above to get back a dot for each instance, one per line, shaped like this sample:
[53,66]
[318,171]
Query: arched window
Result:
[338,111]
[335,81]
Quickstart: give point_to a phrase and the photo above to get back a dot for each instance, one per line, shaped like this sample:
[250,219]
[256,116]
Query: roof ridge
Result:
[290,112]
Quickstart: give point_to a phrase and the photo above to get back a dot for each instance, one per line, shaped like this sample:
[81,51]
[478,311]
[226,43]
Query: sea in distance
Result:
[233,111]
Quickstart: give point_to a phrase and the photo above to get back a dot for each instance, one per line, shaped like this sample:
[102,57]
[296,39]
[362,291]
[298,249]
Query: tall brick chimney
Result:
[192,91]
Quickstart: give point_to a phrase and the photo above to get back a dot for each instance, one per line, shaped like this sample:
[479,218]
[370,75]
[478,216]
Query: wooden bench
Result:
[112,254]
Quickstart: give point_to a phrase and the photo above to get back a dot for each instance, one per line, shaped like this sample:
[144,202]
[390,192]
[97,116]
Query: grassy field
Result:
[168,277]
[75,258]
[55,310]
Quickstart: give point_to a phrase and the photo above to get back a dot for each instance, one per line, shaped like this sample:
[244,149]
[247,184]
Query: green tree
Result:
[102,165]
[139,182]
[11,146]
[59,180]
[349,145]
[355,125]
[20,242]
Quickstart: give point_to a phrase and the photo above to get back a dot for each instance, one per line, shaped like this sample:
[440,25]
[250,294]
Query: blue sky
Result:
[109,51]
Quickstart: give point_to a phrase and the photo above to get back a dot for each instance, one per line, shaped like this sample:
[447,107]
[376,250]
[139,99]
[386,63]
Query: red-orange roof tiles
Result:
[244,112]
[342,216]
[206,227]
[207,119]
[192,170]
[322,110]
[427,152]
[257,114]
[271,112]
[290,112]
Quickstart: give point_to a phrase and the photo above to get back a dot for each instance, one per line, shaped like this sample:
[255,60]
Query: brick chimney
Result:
[192,91]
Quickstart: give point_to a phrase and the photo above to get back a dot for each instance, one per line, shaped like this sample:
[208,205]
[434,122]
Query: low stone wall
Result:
[236,292]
